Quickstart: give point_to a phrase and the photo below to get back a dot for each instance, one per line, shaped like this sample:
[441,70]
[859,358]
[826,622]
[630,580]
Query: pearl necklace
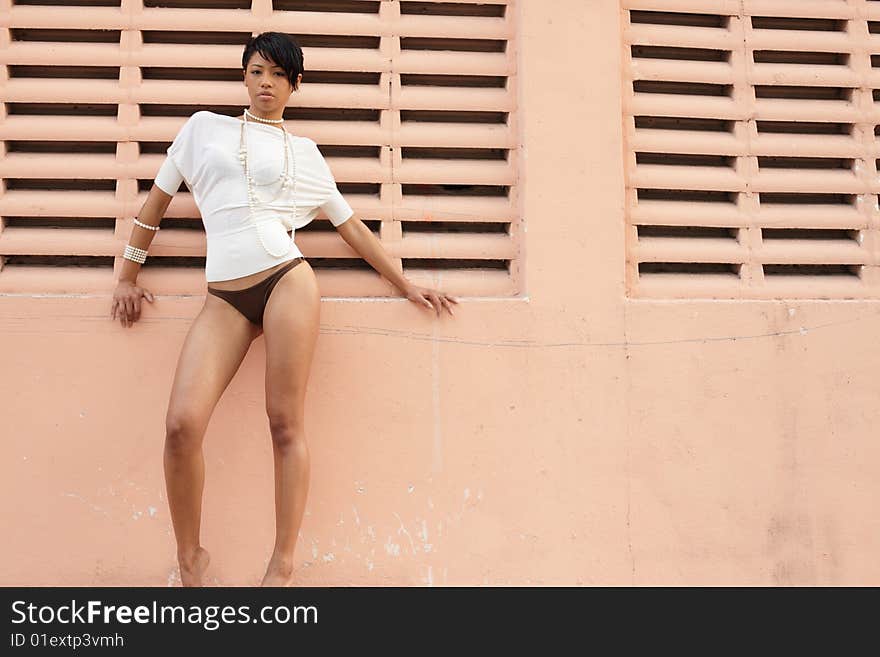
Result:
[286,178]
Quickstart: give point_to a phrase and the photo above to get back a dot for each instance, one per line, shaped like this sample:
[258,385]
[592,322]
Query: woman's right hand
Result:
[127,302]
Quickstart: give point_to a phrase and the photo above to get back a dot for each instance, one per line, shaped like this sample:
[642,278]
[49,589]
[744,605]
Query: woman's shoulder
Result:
[202,115]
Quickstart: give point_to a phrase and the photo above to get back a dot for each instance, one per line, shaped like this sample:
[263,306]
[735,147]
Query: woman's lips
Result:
[264,95]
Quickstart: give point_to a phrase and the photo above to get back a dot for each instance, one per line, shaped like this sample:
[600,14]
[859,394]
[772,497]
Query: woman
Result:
[252,183]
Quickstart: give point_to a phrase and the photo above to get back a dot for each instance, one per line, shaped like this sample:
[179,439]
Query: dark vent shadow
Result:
[798,57]
[683,123]
[811,270]
[700,195]
[455,227]
[680,53]
[782,162]
[89,262]
[842,234]
[366,152]
[686,159]
[798,23]
[102,147]
[199,4]
[792,198]
[805,127]
[62,184]
[66,223]
[689,232]
[803,93]
[76,110]
[454,190]
[681,88]
[337,6]
[447,43]
[65,72]
[453,116]
[443,153]
[70,3]
[731,268]
[455,263]
[676,18]
[452,9]
[468,81]
[62,35]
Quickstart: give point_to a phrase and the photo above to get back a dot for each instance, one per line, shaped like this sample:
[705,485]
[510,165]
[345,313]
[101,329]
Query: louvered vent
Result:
[412,104]
[751,149]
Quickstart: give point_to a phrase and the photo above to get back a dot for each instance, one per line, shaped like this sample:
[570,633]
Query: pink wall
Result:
[573,435]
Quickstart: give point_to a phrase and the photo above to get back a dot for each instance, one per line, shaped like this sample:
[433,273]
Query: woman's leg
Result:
[211,354]
[290,328]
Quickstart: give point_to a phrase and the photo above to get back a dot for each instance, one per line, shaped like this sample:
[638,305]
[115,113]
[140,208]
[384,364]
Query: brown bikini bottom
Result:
[251,301]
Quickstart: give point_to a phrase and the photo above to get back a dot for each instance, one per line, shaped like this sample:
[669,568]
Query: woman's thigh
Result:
[290,328]
[213,349]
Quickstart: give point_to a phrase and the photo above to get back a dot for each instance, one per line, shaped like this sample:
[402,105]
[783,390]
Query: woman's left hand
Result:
[433,299]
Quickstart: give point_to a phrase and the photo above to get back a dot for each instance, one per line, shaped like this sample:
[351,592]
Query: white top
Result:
[204,154]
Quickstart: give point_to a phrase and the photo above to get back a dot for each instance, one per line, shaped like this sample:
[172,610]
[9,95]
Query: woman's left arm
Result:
[359,237]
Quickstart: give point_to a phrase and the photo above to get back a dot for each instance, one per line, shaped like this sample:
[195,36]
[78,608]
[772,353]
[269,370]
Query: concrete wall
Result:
[575,434]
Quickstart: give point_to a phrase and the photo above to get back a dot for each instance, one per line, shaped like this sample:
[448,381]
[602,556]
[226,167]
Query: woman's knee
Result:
[183,431]
[287,429]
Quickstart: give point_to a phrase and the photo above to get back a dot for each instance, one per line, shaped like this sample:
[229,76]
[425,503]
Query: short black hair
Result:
[278,47]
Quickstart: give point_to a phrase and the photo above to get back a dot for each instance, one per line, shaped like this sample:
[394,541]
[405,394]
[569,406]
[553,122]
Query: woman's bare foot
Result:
[278,573]
[192,567]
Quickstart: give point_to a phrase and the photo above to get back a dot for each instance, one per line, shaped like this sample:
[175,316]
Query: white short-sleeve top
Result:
[204,155]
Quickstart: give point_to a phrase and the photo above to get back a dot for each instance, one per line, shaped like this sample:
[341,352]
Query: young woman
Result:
[253,183]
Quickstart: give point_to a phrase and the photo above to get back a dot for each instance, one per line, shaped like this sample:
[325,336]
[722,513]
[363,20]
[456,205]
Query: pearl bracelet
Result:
[135,254]
[143,225]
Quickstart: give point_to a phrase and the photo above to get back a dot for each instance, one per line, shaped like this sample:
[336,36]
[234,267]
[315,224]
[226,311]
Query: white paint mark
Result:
[410,489]
[359,487]
[94,507]
[369,565]
[479,494]
[467,494]
[152,511]
[424,534]
[392,548]
[341,519]
[791,312]
[357,518]
[428,547]
[328,557]
[803,331]
[402,530]
[430,577]
[371,532]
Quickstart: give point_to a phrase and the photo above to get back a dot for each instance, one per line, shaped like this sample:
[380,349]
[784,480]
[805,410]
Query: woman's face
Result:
[263,76]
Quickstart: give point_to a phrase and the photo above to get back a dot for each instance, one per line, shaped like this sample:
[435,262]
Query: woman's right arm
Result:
[127,297]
